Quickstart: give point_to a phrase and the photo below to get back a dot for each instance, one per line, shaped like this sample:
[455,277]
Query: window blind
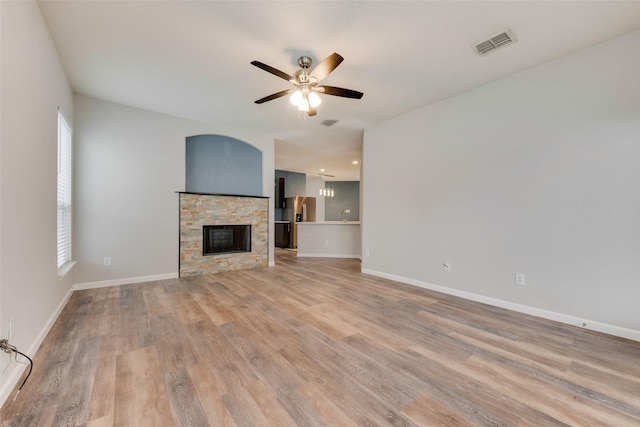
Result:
[64,190]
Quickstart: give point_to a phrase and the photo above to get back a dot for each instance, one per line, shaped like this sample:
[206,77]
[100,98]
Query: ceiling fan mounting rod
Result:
[302,75]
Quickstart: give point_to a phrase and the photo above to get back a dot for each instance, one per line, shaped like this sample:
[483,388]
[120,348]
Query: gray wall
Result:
[346,196]
[129,164]
[536,173]
[34,86]
[222,165]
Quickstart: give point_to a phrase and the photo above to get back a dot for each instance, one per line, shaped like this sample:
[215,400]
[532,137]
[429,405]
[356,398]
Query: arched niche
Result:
[218,164]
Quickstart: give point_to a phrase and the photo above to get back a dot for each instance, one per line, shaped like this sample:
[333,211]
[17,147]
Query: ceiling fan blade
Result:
[312,111]
[328,65]
[274,71]
[338,91]
[274,96]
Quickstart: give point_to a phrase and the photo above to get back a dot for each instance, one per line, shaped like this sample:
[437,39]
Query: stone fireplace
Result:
[221,233]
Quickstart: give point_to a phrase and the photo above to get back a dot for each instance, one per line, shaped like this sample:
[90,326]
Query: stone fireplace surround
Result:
[200,209]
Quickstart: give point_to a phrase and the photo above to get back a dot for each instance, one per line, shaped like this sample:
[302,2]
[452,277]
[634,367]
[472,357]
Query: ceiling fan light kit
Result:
[305,95]
[296,98]
[304,100]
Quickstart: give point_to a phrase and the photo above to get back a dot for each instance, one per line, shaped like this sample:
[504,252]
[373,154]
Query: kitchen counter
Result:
[329,239]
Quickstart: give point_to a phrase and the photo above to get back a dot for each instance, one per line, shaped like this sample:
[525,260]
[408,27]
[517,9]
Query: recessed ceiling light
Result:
[321,170]
[355,162]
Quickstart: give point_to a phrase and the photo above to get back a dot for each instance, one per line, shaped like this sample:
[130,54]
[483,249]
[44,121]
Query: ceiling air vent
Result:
[329,123]
[499,40]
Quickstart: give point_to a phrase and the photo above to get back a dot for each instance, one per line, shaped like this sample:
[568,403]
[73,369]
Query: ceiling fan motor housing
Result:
[305,62]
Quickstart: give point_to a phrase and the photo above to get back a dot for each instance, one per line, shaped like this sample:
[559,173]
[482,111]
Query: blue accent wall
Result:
[222,165]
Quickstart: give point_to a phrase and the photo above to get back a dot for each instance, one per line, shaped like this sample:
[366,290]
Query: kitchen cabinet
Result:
[283,234]
[280,202]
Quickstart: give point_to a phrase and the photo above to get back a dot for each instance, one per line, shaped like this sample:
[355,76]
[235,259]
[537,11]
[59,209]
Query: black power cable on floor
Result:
[9,349]
[27,377]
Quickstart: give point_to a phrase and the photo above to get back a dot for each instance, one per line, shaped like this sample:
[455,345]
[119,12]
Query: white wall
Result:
[536,173]
[129,164]
[33,87]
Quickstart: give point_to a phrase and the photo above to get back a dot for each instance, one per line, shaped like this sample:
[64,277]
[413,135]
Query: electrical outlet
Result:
[367,254]
[446,266]
[107,260]
[326,243]
[520,279]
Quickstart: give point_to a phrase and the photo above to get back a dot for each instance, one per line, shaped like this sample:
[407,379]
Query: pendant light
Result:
[326,191]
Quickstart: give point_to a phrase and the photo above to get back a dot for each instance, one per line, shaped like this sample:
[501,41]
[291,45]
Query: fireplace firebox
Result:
[224,239]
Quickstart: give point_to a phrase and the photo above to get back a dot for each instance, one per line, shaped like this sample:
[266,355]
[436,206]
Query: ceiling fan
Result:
[305,92]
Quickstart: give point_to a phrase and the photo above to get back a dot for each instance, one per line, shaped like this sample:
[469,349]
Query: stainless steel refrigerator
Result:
[298,209]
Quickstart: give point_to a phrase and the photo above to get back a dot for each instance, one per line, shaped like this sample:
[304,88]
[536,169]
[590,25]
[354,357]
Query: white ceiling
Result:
[192,58]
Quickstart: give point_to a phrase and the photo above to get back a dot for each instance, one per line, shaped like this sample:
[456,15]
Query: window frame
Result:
[64,195]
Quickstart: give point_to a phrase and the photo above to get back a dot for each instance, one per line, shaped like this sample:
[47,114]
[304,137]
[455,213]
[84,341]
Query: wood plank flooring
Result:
[313,342]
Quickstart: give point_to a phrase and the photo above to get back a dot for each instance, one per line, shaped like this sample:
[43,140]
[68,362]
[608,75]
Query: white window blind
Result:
[64,190]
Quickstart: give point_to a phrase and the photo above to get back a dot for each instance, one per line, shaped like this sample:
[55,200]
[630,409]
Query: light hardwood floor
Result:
[313,342]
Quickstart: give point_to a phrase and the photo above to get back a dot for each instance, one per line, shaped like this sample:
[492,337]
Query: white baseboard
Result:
[533,311]
[305,255]
[16,374]
[120,282]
